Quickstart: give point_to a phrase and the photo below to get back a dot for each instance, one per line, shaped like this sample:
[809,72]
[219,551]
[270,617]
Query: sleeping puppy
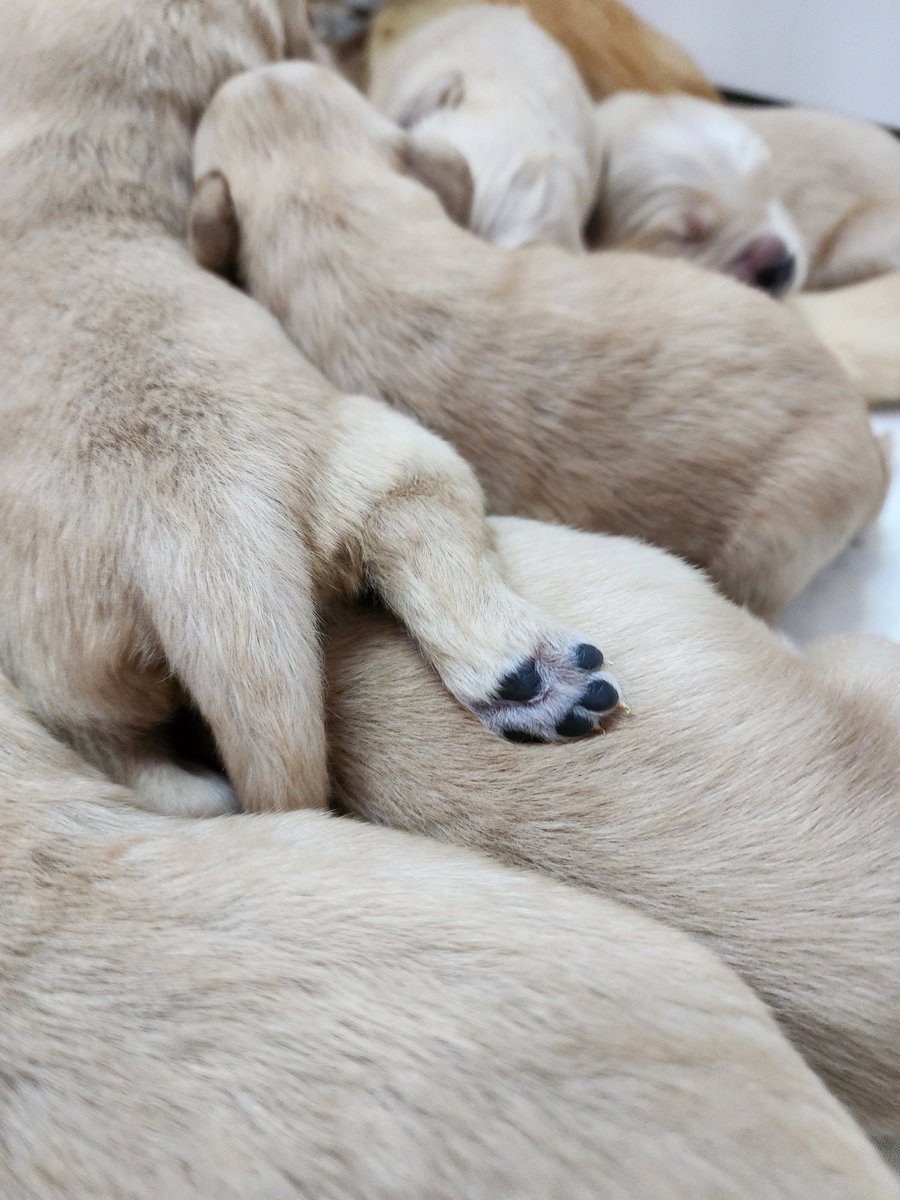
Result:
[181,490]
[599,390]
[840,180]
[687,178]
[490,82]
[610,45]
[276,1007]
[753,799]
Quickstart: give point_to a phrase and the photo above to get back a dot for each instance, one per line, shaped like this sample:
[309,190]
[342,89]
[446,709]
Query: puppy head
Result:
[684,177]
[295,136]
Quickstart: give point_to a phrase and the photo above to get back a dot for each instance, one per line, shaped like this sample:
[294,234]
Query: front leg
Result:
[414,514]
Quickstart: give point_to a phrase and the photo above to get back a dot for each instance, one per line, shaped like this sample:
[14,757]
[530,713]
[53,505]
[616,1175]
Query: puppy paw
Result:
[557,695]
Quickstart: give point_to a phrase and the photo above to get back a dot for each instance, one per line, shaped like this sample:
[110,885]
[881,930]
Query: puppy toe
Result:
[588,657]
[522,684]
[601,695]
[575,725]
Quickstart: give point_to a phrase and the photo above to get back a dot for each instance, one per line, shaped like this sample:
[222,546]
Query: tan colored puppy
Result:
[840,180]
[179,489]
[276,1007]
[611,46]
[752,799]
[689,179]
[489,81]
[600,391]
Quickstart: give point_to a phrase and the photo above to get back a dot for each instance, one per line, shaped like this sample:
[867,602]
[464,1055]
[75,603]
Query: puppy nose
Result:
[767,263]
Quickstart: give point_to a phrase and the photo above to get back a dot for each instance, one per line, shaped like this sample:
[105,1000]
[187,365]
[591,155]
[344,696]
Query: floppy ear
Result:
[213,232]
[444,170]
[445,91]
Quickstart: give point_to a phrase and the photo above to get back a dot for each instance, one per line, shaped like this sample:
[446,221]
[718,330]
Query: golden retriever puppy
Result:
[611,46]
[840,180]
[599,390]
[687,178]
[295,1005]
[179,488]
[752,798]
[489,81]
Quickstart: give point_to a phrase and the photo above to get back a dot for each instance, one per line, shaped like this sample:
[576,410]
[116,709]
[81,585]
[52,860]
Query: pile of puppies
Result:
[254,365]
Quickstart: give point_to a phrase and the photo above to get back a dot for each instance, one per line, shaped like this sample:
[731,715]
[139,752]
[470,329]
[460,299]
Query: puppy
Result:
[753,799]
[687,178]
[179,489]
[489,81]
[611,46]
[840,179]
[599,390]
[296,1005]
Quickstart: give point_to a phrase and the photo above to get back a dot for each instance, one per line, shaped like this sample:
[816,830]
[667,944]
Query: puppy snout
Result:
[767,263]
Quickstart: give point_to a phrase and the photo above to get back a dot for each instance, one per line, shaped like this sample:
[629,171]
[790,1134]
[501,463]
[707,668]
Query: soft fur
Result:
[860,325]
[752,797]
[487,79]
[180,488]
[688,178]
[276,1007]
[840,180]
[601,390]
[611,46]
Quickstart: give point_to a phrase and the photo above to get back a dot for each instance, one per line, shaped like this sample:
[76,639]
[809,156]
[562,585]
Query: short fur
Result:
[598,390]
[180,489]
[840,180]
[860,325]
[688,178]
[487,79]
[611,46]
[752,798]
[277,1007]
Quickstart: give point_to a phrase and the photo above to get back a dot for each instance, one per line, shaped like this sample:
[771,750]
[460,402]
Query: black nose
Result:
[775,277]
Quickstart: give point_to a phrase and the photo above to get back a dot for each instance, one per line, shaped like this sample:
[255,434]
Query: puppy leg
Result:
[144,763]
[238,626]
[415,512]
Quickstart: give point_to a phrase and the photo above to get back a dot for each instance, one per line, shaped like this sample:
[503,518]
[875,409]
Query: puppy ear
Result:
[213,232]
[444,170]
[445,91]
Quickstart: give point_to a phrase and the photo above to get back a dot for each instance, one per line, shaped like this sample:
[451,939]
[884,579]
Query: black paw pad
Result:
[521,685]
[588,657]
[600,696]
[574,726]
[521,735]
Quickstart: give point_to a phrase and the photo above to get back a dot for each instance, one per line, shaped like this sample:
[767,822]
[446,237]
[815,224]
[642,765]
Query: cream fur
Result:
[860,325]
[276,1007]
[181,490]
[599,391]
[840,179]
[752,798]
[517,111]
[686,177]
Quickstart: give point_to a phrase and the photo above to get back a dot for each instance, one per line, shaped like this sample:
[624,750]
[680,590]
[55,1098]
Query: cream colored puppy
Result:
[752,799]
[179,489]
[276,1007]
[840,180]
[687,178]
[489,81]
[599,390]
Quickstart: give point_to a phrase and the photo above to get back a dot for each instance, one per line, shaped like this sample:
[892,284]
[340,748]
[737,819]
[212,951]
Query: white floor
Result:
[860,592]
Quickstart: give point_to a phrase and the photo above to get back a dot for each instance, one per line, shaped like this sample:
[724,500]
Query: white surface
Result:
[828,53]
[860,591]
